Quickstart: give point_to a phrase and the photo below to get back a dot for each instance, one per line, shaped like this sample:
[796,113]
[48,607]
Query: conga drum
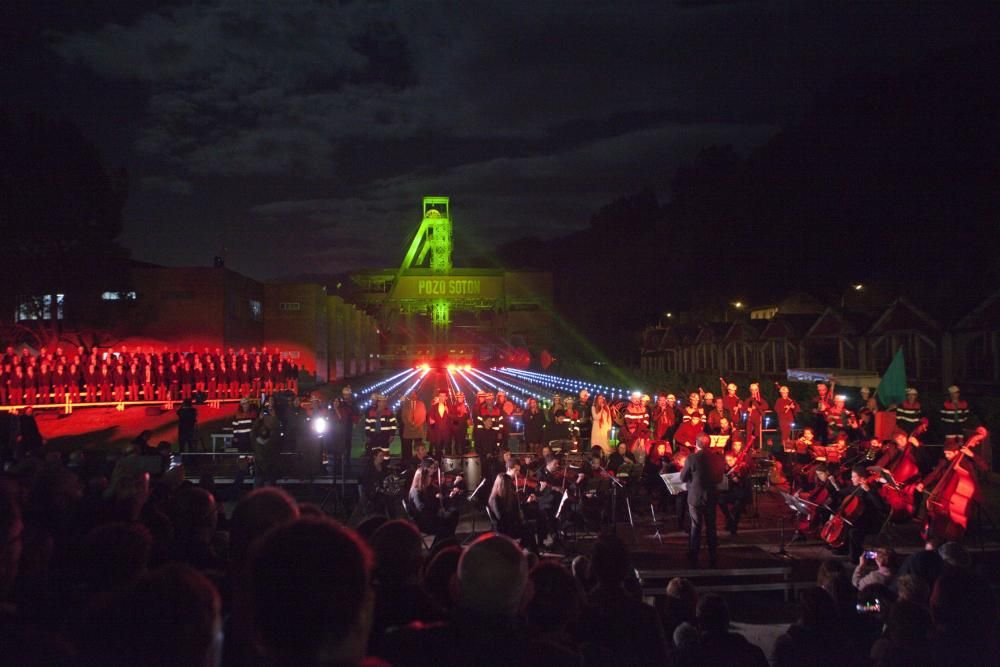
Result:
[451,463]
[472,470]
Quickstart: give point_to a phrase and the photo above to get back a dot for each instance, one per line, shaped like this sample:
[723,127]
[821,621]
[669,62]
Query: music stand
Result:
[475,500]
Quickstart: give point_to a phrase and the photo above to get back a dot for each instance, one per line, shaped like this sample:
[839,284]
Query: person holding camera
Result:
[874,567]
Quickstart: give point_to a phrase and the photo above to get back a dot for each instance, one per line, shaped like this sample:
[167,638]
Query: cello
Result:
[905,473]
[834,532]
[948,503]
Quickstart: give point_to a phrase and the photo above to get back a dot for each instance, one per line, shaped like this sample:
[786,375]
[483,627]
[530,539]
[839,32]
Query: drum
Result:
[451,463]
[563,446]
[472,470]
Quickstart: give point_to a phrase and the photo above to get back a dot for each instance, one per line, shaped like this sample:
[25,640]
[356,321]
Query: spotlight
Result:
[319,425]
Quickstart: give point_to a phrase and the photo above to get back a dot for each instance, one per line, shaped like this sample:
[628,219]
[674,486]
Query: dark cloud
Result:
[327,121]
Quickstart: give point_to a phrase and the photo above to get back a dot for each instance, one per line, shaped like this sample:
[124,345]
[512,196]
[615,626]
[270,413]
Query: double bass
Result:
[948,503]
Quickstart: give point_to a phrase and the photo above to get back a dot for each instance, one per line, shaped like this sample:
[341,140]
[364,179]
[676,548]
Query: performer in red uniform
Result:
[664,419]
[786,409]
[820,405]
[954,414]
[755,406]
[909,413]
[636,421]
[733,404]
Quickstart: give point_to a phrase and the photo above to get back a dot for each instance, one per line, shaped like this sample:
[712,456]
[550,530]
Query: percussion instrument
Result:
[450,463]
[472,470]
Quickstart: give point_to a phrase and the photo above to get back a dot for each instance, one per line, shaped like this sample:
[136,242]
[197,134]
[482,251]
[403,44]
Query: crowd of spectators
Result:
[106,566]
[141,374]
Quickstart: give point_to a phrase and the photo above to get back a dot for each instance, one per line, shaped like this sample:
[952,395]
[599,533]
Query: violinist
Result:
[786,409]
[740,492]
[373,472]
[756,405]
[621,457]
[551,482]
[426,502]
[872,513]
[688,432]
[505,504]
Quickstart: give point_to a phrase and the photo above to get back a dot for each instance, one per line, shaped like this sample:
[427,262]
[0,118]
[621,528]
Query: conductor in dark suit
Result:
[703,472]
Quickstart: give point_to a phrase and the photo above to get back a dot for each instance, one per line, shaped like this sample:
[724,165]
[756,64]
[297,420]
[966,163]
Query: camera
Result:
[872,607]
[870,555]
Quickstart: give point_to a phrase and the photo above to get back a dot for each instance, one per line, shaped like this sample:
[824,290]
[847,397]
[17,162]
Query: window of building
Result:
[256,310]
[119,296]
[290,305]
[39,307]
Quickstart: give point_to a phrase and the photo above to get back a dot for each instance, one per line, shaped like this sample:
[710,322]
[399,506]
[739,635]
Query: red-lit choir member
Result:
[223,379]
[6,371]
[185,377]
[174,374]
[60,381]
[233,380]
[716,416]
[30,384]
[17,385]
[243,375]
[267,384]
[256,377]
[74,383]
[119,380]
[104,382]
[211,380]
[755,406]
[786,409]
[148,378]
[162,382]
[664,420]
[44,383]
[134,379]
[198,376]
[439,424]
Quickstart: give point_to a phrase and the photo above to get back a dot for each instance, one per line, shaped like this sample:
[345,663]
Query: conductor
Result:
[703,472]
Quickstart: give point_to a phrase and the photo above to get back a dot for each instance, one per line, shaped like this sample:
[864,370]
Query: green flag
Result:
[892,386]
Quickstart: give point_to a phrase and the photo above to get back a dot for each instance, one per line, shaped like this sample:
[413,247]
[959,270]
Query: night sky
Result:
[296,137]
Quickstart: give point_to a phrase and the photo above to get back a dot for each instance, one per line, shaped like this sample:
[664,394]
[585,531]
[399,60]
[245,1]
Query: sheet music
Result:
[673,482]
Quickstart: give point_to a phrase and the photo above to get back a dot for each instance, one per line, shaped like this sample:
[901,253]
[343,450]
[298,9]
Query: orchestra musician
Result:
[505,504]
[872,516]
[740,491]
[732,403]
[821,403]
[426,502]
[551,487]
[952,488]
[755,406]
[786,409]
[825,494]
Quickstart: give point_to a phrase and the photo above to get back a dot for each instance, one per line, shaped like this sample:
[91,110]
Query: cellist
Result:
[873,514]
[897,457]
[951,487]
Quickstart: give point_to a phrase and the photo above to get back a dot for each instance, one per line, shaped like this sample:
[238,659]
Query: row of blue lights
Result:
[565,384]
[410,389]
[388,390]
[370,388]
